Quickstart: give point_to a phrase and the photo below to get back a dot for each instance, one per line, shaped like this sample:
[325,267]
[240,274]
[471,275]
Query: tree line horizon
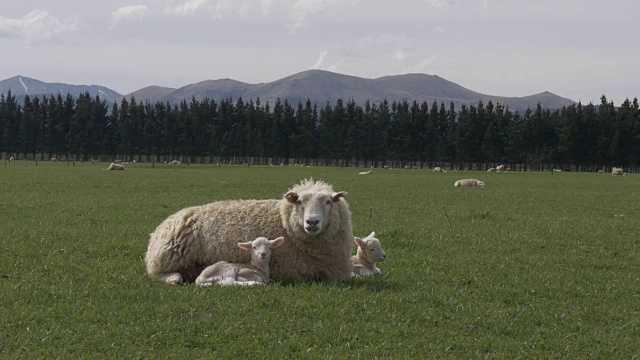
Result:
[399,130]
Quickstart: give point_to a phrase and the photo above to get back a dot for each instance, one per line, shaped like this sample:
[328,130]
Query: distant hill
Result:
[317,85]
[324,86]
[21,86]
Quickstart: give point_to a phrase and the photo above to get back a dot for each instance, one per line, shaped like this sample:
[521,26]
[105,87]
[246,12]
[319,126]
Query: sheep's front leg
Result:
[169,278]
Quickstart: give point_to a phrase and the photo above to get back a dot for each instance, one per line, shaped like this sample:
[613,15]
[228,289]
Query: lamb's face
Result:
[374,250]
[314,209]
[261,248]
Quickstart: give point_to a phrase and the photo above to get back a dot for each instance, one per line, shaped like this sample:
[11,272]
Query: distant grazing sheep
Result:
[115,166]
[500,168]
[437,169]
[491,169]
[175,162]
[254,272]
[616,171]
[54,159]
[369,253]
[365,172]
[469,183]
[315,221]
[557,170]
[386,167]
[11,159]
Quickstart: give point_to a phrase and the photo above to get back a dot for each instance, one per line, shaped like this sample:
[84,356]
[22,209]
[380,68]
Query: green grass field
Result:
[536,266]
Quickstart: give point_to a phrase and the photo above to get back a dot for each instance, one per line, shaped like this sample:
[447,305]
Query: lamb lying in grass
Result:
[255,272]
[470,183]
[369,253]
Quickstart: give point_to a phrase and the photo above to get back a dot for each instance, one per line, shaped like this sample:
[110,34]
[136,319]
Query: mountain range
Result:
[317,85]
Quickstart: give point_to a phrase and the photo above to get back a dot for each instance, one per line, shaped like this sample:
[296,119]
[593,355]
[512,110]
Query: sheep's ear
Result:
[277,242]
[291,197]
[359,242]
[245,245]
[372,235]
[335,197]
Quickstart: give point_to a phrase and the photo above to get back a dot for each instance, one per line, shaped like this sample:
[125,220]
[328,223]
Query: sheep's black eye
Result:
[370,249]
[328,202]
[254,248]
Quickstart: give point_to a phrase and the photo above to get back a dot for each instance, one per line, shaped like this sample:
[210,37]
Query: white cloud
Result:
[399,56]
[35,27]
[385,41]
[324,64]
[184,8]
[440,29]
[438,3]
[485,4]
[301,9]
[129,13]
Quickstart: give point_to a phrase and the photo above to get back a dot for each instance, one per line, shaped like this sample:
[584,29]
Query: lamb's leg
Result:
[169,278]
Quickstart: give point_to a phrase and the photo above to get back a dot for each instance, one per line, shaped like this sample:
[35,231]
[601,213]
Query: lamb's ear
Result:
[245,245]
[359,242]
[372,235]
[291,197]
[277,242]
[335,197]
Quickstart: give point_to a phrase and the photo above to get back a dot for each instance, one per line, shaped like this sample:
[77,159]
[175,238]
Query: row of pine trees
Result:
[590,134]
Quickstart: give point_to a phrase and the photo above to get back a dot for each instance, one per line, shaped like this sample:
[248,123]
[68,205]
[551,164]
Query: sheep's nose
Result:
[312,222]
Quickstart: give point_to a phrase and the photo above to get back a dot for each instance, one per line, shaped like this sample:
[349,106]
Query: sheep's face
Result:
[261,248]
[314,209]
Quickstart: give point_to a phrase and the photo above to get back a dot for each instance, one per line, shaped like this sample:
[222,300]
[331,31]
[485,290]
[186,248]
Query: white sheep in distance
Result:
[54,159]
[115,166]
[500,168]
[314,219]
[557,170]
[437,169]
[255,272]
[491,169]
[175,162]
[616,171]
[365,172]
[469,183]
[368,254]
[11,159]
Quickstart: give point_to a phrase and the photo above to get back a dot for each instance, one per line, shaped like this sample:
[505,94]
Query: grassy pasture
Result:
[536,266]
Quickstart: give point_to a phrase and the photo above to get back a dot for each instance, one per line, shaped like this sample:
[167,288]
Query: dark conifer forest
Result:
[594,134]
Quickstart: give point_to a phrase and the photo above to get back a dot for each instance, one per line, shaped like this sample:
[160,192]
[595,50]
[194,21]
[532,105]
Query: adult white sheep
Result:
[11,159]
[500,168]
[54,159]
[469,183]
[557,170]
[369,253]
[365,172]
[315,221]
[115,166]
[255,272]
[437,169]
[617,171]
[175,162]
[491,169]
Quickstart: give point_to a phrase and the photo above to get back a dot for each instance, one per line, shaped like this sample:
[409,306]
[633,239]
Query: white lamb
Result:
[469,183]
[369,253]
[437,169]
[365,172]
[617,171]
[500,168]
[115,166]
[255,272]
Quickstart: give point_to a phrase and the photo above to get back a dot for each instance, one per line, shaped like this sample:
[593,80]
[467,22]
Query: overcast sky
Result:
[578,49]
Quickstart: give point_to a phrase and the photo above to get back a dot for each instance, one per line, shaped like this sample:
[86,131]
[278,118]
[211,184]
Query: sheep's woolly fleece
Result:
[203,235]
